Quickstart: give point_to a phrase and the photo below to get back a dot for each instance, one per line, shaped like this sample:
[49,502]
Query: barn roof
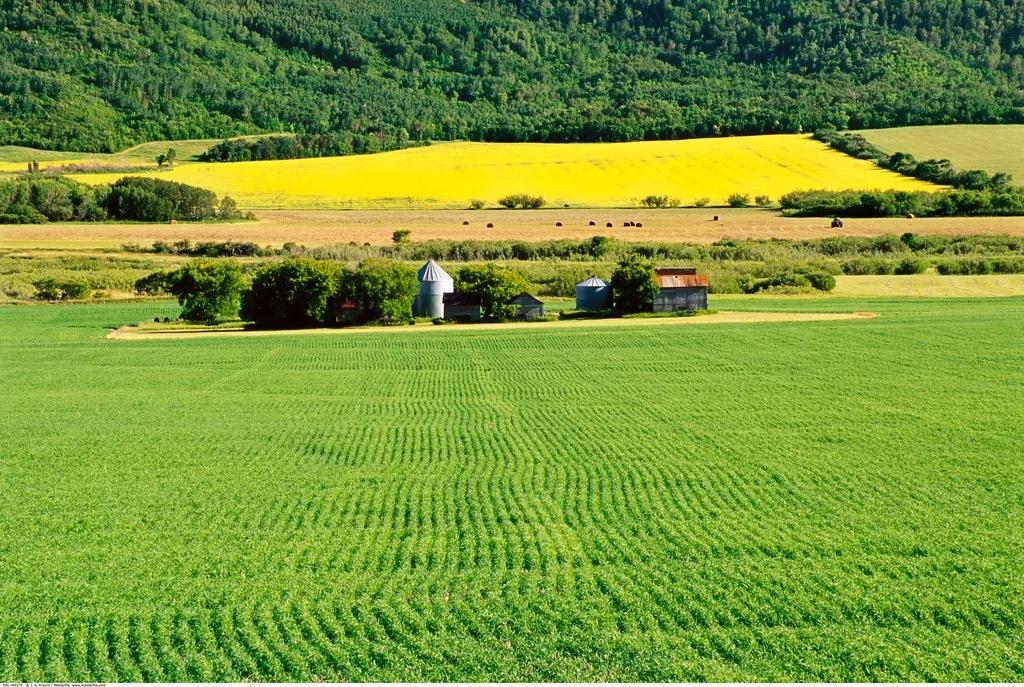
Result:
[461,299]
[433,272]
[526,299]
[593,282]
[679,281]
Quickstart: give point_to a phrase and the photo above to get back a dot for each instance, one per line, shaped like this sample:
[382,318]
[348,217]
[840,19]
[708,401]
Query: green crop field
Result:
[784,501]
[992,147]
[145,153]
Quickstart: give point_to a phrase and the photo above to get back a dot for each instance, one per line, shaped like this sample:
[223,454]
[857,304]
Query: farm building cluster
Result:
[679,288]
[437,299]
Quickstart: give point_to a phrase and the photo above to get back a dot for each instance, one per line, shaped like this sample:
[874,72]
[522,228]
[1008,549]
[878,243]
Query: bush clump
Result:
[654,201]
[821,281]
[522,201]
[966,266]
[912,266]
[61,289]
[293,293]
[384,290]
[739,200]
[861,266]
[208,290]
[495,286]
[633,287]
[155,284]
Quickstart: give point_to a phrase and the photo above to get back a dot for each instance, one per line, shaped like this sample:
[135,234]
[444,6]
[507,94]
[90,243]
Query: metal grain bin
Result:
[593,294]
[434,284]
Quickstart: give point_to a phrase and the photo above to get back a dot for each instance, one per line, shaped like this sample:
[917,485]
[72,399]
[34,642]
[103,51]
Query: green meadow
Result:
[834,500]
[992,147]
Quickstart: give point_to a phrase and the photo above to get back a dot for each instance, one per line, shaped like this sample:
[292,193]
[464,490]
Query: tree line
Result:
[498,70]
[306,146]
[36,198]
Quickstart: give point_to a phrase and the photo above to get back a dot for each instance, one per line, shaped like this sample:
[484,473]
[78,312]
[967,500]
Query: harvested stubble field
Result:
[449,175]
[772,501]
[316,228]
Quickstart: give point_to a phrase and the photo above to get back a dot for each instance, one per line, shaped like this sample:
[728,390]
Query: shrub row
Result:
[936,171]
[522,201]
[853,203]
[308,146]
[982,266]
[728,250]
[808,281]
[61,289]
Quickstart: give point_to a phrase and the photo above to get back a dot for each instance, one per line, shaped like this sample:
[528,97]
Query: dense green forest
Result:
[102,74]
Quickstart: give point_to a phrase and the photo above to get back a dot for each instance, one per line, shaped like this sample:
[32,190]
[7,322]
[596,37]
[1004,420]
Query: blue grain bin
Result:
[593,294]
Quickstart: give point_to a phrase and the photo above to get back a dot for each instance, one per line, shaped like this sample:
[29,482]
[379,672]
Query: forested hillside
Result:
[103,74]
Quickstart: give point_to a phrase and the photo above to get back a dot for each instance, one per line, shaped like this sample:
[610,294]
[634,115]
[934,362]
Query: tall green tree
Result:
[298,292]
[208,290]
[495,286]
[384,290]
[633,287]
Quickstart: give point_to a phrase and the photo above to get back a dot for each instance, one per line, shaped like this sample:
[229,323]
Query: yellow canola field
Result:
[580,174]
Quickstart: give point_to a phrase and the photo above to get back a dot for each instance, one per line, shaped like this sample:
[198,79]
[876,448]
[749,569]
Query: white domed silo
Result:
[593,294]
[434,284]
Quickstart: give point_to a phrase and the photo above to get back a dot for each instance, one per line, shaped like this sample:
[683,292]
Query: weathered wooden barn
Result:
[460,307]
[680,288]
[529,308]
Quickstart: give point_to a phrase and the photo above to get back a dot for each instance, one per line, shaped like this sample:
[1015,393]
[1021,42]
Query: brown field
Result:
[317,227]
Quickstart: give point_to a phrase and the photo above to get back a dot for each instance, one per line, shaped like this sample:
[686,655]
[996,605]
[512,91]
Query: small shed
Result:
[529,308]
[593,294]
[680,288]
[460,307]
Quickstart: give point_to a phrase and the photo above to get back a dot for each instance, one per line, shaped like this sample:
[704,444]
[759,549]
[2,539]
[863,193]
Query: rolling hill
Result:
[582,174]
[102,75]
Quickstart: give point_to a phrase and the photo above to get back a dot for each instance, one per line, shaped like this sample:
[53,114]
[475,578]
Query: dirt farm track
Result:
[320,227]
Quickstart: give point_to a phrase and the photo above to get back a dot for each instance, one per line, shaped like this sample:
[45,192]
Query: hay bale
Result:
[490,225]
[609,225]
[715,218]
[558,224]
[593,223]
[465,223]
[639,225]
